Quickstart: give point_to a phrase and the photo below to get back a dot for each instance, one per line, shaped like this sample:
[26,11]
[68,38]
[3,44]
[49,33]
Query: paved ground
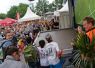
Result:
[63,37]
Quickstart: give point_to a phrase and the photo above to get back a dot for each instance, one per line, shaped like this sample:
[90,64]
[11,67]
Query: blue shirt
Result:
[1,38]
[7,43]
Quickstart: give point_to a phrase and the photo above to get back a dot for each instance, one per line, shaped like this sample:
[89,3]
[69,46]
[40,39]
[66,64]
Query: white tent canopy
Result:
[65,8]
[29,16]
[56,13]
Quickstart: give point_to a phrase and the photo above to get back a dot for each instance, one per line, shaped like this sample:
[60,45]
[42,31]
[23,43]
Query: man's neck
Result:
[90,29]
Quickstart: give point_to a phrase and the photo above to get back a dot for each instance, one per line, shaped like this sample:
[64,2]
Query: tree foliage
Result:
[32,7]
[2,15]
[22,9]
[14,9]
[58,4]
[51,7]
[12,12]
[42,7]
[55,5]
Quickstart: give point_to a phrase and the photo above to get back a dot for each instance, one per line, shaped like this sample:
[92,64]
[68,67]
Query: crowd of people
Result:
[14,39]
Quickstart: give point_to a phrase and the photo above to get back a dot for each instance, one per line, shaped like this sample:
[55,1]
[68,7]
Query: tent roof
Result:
[56,13]
[65,8]
[29,16]
[7,22]
[49,13]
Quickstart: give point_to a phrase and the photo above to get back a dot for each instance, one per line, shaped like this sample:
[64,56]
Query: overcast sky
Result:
[6,4]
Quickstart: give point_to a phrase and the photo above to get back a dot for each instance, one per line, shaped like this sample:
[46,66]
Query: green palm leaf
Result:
[84,57]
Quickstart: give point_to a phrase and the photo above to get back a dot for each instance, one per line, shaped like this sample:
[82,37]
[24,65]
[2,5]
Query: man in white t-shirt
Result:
[52,50]
[43,55]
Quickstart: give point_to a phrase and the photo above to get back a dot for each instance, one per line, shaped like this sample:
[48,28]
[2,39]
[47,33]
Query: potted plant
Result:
[31,56]
[84,56]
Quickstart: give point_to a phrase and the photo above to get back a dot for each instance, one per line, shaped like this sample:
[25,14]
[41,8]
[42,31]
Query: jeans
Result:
[59,65]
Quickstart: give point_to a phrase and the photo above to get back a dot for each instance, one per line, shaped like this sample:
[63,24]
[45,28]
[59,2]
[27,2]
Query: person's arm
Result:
[59,52]
[80,29]
[57,48]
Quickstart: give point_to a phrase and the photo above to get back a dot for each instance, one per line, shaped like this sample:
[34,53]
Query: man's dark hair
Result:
[11,49]
[89,20]
[42,43]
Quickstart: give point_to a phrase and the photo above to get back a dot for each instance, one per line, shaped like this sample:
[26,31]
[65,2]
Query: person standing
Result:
[52,52]
[13,59]
[43,55]
[6,43]
[88,25]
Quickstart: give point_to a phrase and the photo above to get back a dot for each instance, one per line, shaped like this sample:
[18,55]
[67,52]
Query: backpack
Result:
[3,50]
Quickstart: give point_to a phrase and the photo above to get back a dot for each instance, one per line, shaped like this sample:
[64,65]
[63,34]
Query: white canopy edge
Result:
[65,8]
[29,16]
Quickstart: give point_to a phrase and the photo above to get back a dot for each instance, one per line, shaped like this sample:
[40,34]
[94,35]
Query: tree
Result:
[32,7]
[2,16]
[58,4]
[14,9]
[22,9]
[12,12]
[55,5]
[51,7]
[42,7]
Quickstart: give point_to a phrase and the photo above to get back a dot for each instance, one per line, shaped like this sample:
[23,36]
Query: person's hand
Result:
[60,53]
[80,29]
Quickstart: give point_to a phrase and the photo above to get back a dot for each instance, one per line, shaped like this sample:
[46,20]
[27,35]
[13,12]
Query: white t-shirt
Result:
[43,57]
[52,49]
